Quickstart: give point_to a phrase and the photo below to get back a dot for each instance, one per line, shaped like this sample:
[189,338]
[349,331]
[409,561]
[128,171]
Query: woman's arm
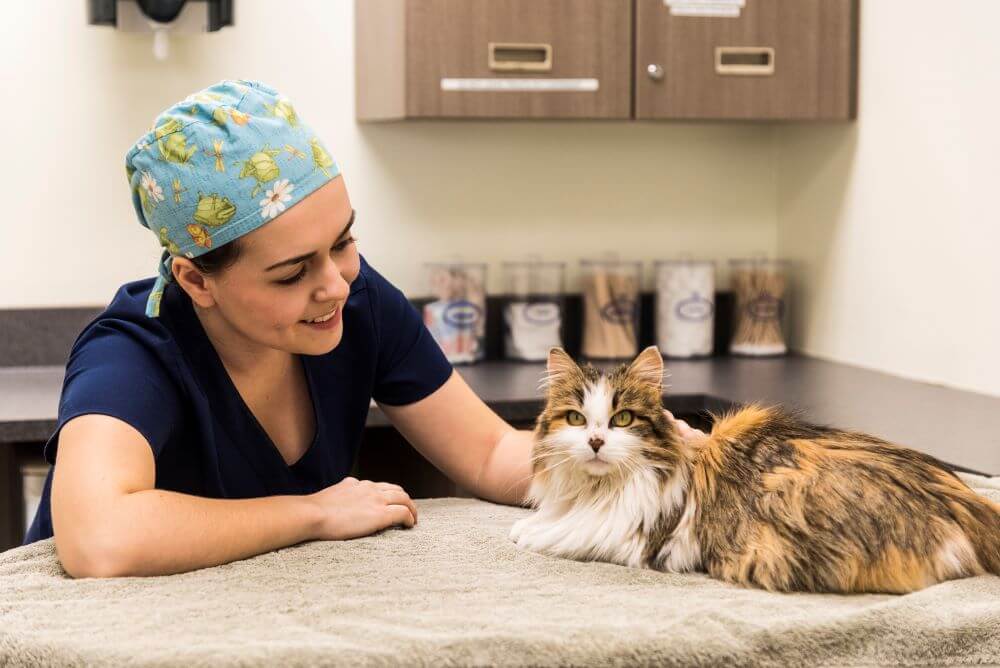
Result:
[110,521]
[465,439]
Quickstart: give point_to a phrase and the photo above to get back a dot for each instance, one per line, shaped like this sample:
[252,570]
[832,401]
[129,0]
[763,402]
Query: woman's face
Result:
[297,267]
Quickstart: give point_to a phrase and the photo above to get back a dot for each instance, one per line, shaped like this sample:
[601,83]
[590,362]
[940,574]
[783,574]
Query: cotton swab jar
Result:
[610,308]
[685,307]
[456,316]
[533,312]
[759,287]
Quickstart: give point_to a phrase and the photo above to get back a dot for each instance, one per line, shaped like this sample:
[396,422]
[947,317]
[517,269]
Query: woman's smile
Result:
[327,321]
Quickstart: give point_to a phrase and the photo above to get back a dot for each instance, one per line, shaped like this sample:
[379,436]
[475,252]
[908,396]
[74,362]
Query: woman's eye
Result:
[294,279]
[622,419]
[339,247]
[575,418]
[344,244]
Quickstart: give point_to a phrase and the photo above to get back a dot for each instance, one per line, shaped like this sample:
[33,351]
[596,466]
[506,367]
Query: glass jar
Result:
[685,307]
[610,308]
[759,313]
[533,310]
[456,314]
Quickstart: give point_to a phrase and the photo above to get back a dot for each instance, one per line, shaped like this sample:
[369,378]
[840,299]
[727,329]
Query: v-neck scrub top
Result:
[163,377]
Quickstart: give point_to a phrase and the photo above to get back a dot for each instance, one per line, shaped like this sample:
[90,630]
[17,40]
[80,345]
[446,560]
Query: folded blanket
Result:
[455,590]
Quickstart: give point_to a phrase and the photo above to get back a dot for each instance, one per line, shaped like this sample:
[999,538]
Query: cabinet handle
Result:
[654,71]
[517,57]
[744,60]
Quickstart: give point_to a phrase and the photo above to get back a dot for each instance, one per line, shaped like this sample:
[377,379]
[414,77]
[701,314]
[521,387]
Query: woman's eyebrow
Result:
[302,258]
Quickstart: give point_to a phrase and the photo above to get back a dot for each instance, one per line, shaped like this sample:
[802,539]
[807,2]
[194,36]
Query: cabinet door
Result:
[780,59]
[519,58]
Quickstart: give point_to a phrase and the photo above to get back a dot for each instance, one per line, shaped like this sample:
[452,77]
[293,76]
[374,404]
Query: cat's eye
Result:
[575,419]
[621,419]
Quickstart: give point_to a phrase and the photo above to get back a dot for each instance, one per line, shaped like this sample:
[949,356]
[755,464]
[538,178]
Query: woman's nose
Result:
[335,287]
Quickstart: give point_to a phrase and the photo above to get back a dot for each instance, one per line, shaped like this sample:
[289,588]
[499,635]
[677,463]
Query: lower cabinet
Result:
[22,476]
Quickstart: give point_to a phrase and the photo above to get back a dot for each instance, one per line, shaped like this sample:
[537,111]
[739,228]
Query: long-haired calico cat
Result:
[765,500]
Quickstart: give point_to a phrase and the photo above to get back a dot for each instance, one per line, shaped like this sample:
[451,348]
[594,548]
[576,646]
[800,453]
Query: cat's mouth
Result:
[596,464]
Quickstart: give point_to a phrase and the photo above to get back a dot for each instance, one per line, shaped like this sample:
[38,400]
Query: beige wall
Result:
[894,221]
[487,191]
[891,220]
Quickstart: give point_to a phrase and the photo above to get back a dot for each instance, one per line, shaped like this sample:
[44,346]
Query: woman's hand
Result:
[687,432]
[353,508]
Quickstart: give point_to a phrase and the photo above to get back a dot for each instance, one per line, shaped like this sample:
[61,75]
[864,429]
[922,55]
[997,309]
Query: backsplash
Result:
[44,337]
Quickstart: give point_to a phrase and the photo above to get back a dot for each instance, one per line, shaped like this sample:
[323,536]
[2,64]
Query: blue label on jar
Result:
[765,307]
[541,313]
[695,308]
[620,311]
[462,314]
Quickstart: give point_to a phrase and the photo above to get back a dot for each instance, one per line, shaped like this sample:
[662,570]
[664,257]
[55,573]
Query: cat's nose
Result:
[596,442]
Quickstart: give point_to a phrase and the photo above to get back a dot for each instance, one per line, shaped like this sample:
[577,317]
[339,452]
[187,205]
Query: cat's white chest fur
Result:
[608,529]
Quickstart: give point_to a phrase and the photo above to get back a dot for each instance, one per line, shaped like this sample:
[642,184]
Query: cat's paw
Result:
[518,529]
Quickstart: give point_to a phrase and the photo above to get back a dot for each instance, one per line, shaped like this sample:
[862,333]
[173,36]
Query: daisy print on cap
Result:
[153,190]
[274,200]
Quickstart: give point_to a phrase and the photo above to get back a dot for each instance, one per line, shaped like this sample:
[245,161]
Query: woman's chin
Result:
[320,343]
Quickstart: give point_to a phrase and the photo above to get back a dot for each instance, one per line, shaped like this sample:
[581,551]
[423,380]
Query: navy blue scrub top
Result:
[164,377]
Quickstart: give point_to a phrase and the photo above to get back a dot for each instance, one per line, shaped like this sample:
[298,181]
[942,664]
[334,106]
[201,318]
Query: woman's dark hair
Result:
[215,261]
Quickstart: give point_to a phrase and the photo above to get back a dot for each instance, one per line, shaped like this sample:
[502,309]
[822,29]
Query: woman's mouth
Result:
[325,321]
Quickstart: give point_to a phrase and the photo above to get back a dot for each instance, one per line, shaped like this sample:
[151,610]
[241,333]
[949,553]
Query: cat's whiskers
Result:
[558,463]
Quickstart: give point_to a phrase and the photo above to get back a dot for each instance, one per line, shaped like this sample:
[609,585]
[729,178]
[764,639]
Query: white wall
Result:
[485,190]
[894,220]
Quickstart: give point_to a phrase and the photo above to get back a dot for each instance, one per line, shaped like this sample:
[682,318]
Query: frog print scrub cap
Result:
[219,164]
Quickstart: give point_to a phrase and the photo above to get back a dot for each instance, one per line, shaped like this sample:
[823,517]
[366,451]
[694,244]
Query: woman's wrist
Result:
[310,515]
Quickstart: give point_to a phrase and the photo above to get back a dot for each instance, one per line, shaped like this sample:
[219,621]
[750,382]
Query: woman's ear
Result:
[648,366]
[192,281]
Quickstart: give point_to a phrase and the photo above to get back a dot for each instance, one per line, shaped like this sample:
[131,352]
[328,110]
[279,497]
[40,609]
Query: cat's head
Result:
[605,424]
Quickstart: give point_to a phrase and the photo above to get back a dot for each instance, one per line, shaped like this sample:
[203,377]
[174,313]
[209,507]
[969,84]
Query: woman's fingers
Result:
[401,498]
[684,428]
[389,485]
[399,514]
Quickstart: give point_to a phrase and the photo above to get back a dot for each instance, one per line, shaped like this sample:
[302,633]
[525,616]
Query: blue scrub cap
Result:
[219,164]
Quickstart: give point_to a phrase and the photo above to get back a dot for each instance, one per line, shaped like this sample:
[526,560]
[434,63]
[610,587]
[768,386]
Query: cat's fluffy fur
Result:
[765,500]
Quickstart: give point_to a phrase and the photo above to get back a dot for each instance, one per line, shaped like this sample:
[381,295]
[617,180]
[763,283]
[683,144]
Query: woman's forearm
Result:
[157,532]
[506,475]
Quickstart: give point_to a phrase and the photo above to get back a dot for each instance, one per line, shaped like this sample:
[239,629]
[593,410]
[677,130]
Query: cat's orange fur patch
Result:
[737,423]
[896,571]
[765,560]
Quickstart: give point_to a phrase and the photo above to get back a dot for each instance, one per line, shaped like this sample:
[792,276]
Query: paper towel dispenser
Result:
[161,17]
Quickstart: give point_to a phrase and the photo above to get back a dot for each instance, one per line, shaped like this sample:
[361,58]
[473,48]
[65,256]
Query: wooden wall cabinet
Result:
[493,59]
[604,59]
[779,60]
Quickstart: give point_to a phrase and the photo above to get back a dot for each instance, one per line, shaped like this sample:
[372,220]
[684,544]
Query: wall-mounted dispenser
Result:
[160,17]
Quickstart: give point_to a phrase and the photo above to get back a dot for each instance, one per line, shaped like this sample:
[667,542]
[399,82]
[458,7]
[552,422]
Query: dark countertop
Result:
[958,427]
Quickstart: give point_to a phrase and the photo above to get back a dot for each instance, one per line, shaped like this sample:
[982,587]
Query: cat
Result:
[765,500]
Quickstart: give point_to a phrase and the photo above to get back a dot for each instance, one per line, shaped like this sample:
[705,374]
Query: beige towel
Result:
[455,591]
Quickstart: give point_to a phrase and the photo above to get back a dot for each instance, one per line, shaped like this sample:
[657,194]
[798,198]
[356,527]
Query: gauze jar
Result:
[685,307]
[533,309]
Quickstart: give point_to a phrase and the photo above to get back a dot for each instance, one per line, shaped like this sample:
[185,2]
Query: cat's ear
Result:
[648,366]
[559,364]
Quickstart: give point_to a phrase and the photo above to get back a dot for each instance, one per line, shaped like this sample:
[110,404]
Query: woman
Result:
[214,414]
